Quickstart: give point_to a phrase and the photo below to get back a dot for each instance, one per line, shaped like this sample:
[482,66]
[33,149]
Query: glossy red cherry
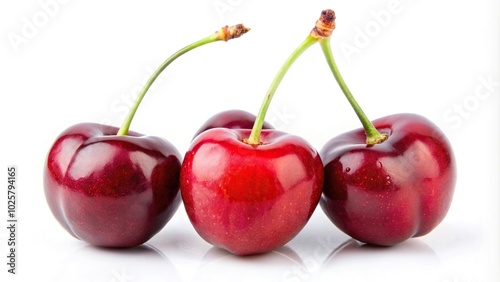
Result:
[114,188]
[109,190]
[388,192]
[252,191]
[390,181]
[246,198]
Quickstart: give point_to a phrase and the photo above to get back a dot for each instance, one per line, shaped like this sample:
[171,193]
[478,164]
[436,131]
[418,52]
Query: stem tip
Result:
[324,25]
[230,32]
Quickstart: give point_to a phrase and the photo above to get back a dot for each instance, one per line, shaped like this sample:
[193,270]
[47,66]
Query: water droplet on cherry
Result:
[387,180]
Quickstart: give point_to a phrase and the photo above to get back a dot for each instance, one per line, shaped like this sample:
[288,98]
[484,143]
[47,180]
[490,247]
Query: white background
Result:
[76,61]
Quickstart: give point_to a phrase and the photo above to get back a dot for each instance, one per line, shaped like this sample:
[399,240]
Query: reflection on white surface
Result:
[220,265]
[320,253]
[412,260]
[143,263]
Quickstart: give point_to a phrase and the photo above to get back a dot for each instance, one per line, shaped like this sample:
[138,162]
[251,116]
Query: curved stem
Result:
[226,33]
[323,28]
[373,136]
[254,138]
[128,120]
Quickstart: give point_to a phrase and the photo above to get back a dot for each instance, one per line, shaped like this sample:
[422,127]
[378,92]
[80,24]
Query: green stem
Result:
[225,33]
[373,136]
[254,138]
[128,120]
[323,27]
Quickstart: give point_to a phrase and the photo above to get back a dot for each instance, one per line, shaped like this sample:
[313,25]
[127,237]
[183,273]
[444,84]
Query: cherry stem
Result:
[373,136]
[225,33]
[324,26]
[254,138]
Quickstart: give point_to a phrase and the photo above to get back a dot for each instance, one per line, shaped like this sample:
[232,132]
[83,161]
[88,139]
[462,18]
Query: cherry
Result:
[252,191]
[114,188]
[389,181]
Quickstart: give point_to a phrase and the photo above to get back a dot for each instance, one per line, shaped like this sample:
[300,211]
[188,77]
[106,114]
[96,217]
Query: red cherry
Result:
[252,191]
[114,188]
[390,181]
[109,190]
[386,193]
[250,199]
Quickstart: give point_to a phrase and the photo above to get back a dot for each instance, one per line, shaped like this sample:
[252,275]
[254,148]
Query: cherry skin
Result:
[234,119]
[250,199]
[386,193]
[109,190]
